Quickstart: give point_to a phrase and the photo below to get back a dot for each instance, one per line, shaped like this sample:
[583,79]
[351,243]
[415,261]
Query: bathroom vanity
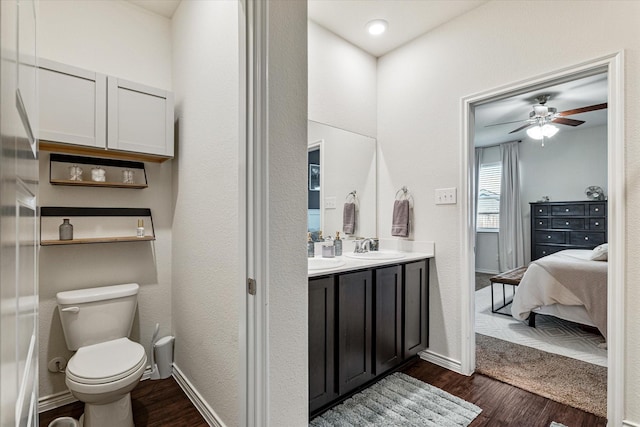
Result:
[366,317]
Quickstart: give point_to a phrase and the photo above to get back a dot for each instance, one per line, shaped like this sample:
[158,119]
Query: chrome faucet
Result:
[362,246]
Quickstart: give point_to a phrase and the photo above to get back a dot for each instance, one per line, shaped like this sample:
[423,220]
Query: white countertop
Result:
[351,264]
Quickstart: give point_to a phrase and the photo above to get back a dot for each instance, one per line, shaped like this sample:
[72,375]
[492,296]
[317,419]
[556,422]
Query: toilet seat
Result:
[106,362]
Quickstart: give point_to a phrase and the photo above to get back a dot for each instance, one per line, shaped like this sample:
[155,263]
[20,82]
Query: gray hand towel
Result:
[349,218]
[400,220]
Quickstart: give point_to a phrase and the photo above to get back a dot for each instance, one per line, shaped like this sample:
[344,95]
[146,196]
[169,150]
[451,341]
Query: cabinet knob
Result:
[597,223]
[548,237]
[566,210]
[544,252]
[540,223]
[540,211]
[586,237]
[597,209]
[566,223]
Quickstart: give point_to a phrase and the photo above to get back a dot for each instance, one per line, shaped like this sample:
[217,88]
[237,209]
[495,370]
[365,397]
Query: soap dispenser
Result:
[337,244]
[310,246]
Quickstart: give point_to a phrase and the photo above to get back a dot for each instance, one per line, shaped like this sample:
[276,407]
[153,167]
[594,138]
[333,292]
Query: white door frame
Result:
[254,324]
[613,64]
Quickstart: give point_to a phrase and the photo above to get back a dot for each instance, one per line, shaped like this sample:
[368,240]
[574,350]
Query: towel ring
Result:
[352,197]
[404,194]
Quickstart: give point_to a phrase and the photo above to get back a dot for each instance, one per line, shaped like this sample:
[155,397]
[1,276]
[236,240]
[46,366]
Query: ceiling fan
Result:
[543,114]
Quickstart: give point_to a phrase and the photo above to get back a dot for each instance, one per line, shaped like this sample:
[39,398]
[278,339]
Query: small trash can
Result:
[163,349]
[64,422]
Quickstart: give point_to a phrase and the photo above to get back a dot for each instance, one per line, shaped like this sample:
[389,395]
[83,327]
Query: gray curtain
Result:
[511,235]
[479,151]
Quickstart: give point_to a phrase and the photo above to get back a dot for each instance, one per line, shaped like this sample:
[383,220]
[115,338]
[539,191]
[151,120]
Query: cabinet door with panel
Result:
[355,304]
[73,105]
[416,308]
[140,118]
[388,318]
[322,388]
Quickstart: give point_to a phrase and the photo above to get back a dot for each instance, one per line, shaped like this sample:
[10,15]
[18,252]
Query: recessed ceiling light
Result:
[377,27]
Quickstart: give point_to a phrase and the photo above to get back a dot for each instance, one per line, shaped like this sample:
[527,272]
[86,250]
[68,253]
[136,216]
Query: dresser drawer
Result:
[551,237]
[541,223]
[541,210]
[567,210]
[541,250]
[586,238]
[598,209]
[570,223]
[597,224]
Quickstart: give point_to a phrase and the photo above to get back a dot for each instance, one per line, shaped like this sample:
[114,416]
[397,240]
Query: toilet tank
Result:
[95,315]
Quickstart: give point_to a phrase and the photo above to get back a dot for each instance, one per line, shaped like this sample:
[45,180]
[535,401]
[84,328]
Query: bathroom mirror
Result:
[347,163]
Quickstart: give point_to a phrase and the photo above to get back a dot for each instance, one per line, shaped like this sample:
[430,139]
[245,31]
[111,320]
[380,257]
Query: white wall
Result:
[104,36]
[206,231]
[288,383]
[342,83]
[562,169]
[419,112]
[113,37]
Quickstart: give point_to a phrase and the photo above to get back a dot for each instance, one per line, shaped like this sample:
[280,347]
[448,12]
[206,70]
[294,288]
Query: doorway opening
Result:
[611,68]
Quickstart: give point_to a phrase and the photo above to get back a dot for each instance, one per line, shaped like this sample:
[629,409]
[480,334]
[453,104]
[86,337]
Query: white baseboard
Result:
[201,405]
[443,361]
[53,401]
[627,423]
[481,270]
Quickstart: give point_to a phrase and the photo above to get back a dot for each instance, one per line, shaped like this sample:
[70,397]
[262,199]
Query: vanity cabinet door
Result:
[140,118]
[72,105]
[416,308]
[322,388]
[355,304]
[388,318]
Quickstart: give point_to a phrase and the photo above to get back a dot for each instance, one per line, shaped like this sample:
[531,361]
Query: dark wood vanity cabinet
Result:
[322,387]
[388,318]
[363,324]
[416,308]
[354,330]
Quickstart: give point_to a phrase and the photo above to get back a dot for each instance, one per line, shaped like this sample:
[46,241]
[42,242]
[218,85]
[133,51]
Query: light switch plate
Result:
[330,202]
[446,196]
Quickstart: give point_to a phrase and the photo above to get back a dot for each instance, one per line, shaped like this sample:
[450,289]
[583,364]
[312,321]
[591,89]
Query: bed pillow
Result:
[600,253]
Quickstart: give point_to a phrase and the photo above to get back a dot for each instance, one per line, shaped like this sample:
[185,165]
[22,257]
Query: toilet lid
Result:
[106,361]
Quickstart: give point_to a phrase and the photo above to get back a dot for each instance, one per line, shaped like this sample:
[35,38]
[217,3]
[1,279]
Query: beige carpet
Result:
[572,382]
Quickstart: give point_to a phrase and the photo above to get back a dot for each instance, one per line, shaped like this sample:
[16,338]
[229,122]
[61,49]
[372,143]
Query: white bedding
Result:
[547,290]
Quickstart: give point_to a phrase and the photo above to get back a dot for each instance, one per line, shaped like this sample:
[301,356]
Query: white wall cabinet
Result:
[89,109]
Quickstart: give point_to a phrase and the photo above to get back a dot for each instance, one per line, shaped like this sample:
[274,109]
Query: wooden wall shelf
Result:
[67,212]
[114,168]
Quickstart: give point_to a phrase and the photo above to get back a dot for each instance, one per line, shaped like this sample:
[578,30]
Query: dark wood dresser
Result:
[556,226]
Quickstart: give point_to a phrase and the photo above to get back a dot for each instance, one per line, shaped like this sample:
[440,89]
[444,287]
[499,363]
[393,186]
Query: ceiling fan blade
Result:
[505,123]
[568,122]
[583,110]
[522,127]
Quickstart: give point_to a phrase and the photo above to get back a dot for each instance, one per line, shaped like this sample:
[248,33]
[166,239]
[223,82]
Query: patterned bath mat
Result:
[400,400]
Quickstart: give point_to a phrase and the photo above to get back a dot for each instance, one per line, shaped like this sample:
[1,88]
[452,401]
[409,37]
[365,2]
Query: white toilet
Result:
[106,365]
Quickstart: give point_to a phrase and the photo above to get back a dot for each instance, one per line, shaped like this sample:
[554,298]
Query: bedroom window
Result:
[489,196]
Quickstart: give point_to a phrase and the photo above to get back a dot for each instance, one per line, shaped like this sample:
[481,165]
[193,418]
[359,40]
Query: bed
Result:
[568,284]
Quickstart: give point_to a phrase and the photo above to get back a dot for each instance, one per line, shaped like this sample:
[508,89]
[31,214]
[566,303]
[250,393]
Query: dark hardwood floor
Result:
[502,404]
[155,403]
[163,403]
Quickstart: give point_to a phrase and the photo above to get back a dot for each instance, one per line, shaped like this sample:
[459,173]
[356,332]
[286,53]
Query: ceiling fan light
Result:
[549,130]
[535,132]
[377,27]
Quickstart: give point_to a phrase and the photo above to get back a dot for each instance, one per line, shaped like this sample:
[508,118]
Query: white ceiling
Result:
[407,19]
